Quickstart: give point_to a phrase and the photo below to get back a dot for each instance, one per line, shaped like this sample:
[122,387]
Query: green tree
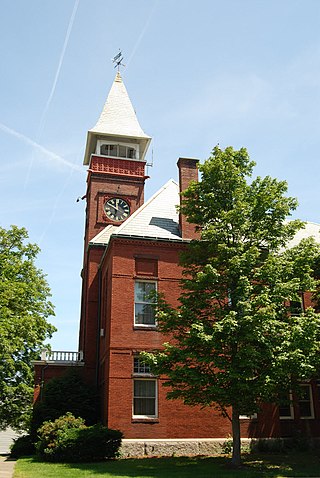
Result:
[60,395]
[233,342]
[24,309]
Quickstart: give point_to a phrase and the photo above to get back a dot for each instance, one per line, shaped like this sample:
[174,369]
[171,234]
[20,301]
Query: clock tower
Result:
[115,153]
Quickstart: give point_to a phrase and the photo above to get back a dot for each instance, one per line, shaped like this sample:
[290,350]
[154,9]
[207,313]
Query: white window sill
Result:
[143,419]
[144,327]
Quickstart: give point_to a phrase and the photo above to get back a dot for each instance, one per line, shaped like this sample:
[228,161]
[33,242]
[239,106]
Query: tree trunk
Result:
[236,447]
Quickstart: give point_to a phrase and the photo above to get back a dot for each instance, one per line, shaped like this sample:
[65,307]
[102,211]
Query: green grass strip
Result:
[254,466]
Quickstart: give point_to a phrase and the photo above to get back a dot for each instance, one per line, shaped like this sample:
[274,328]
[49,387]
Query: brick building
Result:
[132,247]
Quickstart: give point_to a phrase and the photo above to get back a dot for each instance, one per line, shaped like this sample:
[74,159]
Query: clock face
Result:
[117,209]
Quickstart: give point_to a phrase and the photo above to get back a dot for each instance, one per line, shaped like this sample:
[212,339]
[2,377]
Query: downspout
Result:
[83,312]
[42,381]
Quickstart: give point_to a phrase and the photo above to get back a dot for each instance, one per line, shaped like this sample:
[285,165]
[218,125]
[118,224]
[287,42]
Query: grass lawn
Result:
[254,466]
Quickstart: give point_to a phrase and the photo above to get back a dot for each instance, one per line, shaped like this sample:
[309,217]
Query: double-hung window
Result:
[296,307]
[144,391]
[305,401]
[144,302]
[286,407]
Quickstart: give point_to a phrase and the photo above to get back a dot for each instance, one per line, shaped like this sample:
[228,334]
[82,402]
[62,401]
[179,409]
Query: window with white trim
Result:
[144,312]
[145,391]
[305,402]
[286,408]
[140,367]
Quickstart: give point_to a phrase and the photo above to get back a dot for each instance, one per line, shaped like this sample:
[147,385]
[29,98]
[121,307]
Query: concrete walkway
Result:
[6,463]
[6,466]
[6,439]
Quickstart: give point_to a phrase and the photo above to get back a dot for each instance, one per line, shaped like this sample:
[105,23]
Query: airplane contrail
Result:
[49,154]
[142,33]
[42,121]
[55,81]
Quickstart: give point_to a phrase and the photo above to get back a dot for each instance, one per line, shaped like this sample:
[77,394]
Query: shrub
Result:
[68,439]
[93,443]
[281,445]
[227,445]
[50,431]
[269,445]
[68,393]
[22,446]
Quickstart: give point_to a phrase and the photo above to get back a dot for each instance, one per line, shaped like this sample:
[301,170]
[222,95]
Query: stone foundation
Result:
[173,447]
[143,448]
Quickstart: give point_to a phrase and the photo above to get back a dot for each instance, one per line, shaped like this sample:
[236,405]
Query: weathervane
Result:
[118,60]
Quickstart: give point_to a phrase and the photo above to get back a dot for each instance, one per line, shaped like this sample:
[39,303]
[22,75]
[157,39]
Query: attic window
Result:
[118,151]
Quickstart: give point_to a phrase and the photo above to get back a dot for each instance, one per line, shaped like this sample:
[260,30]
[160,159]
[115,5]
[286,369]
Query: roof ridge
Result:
[311,222]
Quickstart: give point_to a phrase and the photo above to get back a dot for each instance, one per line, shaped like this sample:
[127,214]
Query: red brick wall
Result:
[122,340]
[90,311]
[108,178]
[107,330]
[45,372]
[188,171]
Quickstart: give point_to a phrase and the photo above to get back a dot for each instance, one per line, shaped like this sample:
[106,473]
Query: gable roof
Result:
[310,229]
[157,219]
[103,236]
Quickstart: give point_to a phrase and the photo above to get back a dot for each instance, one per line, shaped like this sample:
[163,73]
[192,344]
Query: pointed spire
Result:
[118,119]
[118,116]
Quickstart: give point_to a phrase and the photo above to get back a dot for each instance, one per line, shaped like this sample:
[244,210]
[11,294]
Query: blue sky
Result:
[233,72]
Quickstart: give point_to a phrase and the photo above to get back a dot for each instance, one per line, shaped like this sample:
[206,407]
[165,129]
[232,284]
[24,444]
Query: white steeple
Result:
[117,122]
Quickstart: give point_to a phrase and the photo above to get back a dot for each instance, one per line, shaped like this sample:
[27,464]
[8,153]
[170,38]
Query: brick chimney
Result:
[188,171]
